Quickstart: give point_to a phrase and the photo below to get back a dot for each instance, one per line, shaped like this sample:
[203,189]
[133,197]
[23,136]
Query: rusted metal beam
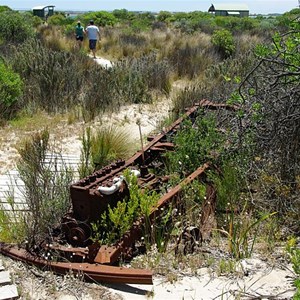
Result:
[91,272]
[213,106]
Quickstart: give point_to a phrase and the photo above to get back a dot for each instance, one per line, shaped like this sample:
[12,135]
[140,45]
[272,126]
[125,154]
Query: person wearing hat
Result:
[93,34]
[79,31]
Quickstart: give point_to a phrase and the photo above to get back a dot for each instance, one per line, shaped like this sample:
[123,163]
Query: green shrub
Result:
[86,166]
[194,145]
[12,227]
[224,42]
[46,187]
[294,254]
[163,16]
[100,18]
[11,87]
[142,21]
[123,15]
[15,27]
[273,123]
[59,19]
[4,8]
[52,79]
[116,221]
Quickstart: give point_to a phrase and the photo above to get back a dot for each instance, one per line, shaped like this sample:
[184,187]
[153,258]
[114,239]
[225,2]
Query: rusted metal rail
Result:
[91,272]
[91,196]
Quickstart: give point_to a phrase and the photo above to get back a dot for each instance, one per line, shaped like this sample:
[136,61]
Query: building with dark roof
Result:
[43,11]
[238,10]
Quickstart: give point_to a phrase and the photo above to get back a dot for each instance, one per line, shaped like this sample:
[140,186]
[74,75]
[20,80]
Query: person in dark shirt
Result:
[79,32]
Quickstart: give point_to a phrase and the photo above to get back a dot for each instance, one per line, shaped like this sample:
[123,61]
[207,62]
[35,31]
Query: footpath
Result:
[8,290]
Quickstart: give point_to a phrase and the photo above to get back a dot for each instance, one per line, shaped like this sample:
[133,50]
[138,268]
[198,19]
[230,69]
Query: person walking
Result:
[93,34]
[79,31]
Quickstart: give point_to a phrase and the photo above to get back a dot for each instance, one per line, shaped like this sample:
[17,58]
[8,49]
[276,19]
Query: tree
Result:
[123,15]
[271,94]
[164,16]
[4,8]
[100,18]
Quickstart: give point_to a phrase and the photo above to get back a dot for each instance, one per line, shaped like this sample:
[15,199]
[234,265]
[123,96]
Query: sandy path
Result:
[67,137]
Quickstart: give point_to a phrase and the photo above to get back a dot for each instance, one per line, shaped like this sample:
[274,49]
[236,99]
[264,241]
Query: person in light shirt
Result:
[93,34]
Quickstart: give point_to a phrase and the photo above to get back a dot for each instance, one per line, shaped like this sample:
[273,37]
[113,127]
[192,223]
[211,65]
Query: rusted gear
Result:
[77,233]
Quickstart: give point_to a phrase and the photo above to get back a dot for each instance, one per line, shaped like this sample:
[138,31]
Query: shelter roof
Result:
[231,7]
[40,7]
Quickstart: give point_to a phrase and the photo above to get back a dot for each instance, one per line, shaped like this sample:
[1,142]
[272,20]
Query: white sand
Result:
[263,280]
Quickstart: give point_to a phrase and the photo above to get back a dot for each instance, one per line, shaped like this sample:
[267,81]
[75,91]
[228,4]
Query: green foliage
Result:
[192,21]
[123,15]
[52,79]
[103,146]
[4,8]
[294,253]
[86,166]
[242,233]
[109,144]
[189,58]
[100,18]
[235,24]
[276,76]
[164,16]
[36,21]
[126,82]
[224,42]
[160,232]
[59,19]
[285,20]
[194,145]
[46,187]
[226,267]
[142,22]
[192,199]
[228,185]
[11,87]
[56,81]
[155,73]
[241,227]
[116,221]
[12,227]
[15,27]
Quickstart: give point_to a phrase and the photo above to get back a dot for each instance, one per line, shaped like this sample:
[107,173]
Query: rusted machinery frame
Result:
[91,272]
[94,271]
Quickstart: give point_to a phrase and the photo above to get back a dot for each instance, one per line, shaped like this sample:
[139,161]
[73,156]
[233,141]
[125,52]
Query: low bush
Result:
[46,187]
[11,87]
[194,145]
[15,27]
[116,221]
[224,42]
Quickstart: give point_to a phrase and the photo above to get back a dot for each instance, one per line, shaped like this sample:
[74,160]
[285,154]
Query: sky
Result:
[255,6]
